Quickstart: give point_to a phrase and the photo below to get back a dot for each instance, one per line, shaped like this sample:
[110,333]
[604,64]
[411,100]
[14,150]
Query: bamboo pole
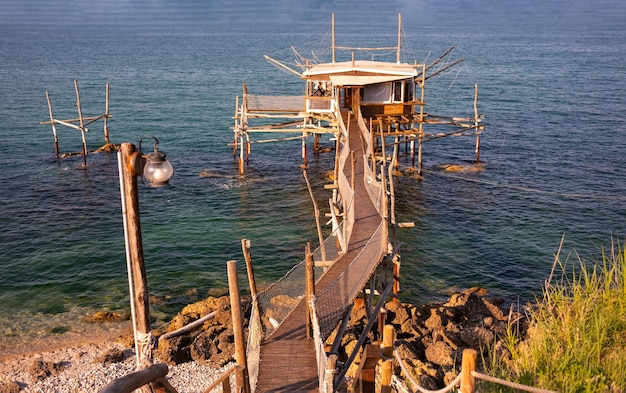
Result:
[476,122]
[310,289]
[317,216]
[134,249]
[468,364]
[106,114]
[54,128]
[82,126]
[245,247]
[387,353]
[241,375]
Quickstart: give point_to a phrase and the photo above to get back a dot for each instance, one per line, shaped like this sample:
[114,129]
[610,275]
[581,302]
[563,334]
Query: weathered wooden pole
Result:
[106,115]
[317,216]
[310,289]
[138,285]
[399,38]
[82,125]
[133,381]
[245,246]
[389,336]
[330,372]
[468,364]
[54,128]
[241,374]
[305,154]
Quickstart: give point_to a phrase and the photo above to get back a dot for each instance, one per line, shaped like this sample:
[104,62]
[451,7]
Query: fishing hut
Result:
[80,124]
[390,96]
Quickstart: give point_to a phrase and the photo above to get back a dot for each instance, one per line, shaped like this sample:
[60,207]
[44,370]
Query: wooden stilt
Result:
[305,159]
[241,375]
[241,154]
[476,122]
[106,115]
[82,125]
[54,128]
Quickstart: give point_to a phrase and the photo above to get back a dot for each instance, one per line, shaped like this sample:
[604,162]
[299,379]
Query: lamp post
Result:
[131,165]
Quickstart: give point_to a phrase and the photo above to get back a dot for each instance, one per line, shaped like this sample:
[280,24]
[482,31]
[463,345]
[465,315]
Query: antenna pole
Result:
[399,38]
[333,35]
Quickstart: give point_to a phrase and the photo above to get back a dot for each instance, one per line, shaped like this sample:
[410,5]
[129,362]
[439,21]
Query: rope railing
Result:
[466,377]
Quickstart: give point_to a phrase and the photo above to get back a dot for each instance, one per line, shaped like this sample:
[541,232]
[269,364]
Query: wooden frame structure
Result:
[82,121]
[391,95]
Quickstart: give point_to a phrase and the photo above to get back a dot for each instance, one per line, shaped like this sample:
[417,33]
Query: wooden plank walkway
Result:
[288,360]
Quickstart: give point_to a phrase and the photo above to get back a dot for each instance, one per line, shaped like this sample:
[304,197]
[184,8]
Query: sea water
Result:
[551,82]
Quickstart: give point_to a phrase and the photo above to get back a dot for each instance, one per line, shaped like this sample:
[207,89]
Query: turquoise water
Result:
[551,82]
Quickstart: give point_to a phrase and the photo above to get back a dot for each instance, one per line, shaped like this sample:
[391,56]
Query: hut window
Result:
[397,91]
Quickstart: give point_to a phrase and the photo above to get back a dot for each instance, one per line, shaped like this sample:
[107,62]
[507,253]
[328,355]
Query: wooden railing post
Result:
[389,336]
[468,364]
[310,289]
[331,370]
[241,375]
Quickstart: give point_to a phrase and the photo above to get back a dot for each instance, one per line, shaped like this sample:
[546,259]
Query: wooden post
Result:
[353,169]
[396,277]
[476,122]
[421,120]
[389,336]
[468,364]
[240,347]
[245,246]
[331,371]
[134,252]
[82,125]
[332,23]
[310,289]
[54,128]
[317,216]
[106,115]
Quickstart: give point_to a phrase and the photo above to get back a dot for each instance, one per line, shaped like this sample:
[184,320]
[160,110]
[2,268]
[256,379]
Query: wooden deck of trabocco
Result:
[288,360]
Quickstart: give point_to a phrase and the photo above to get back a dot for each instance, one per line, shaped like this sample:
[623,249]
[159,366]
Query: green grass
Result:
[576,341]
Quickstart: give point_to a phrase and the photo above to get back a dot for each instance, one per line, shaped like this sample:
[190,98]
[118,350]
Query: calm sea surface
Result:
[551,85]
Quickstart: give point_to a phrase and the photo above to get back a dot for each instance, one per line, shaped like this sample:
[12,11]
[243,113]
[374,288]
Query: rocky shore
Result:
[430,339]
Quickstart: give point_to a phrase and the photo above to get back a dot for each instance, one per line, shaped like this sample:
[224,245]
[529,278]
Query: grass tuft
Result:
[576,340]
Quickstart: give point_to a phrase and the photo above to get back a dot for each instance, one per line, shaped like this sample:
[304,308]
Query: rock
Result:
[41,369]
[175,350]
[113,355]
[440,353]
[9,387]
[106,316]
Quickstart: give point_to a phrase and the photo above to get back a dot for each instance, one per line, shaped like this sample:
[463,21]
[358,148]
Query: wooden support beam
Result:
[82,125]
[389,336]
[54,129]
[133,381]
[310,290]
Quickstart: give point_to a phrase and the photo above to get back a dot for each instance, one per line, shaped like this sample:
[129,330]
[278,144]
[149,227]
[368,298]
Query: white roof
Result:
[363,66]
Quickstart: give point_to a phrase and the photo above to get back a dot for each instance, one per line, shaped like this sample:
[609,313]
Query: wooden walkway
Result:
[288,360]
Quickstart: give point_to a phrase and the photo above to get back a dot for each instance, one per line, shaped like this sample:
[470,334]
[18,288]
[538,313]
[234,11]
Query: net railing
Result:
[334,301]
